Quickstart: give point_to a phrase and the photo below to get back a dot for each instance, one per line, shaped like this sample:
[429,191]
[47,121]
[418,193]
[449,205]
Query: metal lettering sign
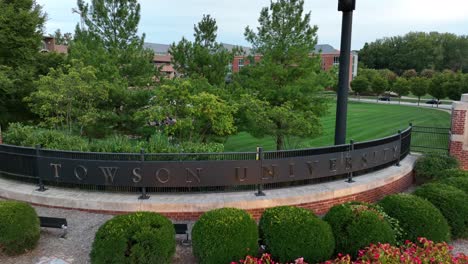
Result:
[215,171]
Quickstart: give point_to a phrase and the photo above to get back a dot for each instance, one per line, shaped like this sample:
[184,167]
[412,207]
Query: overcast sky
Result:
[166,21]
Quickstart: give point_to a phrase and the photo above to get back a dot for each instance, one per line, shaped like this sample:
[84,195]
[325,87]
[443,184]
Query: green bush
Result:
[430,166]
[451,173]
[19,227]
[457,182]
[290,232]
[141,237]
[224,235]
[452,202]
[417,217]
[356,225]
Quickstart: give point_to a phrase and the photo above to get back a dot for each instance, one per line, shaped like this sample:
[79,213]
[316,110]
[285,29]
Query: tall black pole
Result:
[343,80]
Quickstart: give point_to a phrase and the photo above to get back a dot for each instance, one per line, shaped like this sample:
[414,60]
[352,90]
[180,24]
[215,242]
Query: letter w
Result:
[109,173]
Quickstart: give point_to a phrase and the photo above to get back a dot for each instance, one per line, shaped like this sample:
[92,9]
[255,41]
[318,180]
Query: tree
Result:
[379,85]
[409,74]
[64,39]
[205,57]
[196,115]
[284,87]
[64,99]
[427,73]
[21,24]
[401,87]
[360,85]
[436,87]
[113,25]
[418,87]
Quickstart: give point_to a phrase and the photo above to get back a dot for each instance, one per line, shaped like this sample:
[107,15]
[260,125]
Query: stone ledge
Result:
[318,197]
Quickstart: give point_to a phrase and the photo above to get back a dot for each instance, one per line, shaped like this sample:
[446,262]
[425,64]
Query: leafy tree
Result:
[401,87]
[409,74]
[62,39]
[419,86]
[21,24]
[284,87]
[436,87]
[379,85]
[388,75]
[180,110]
[427,73]
[360,85]
[64,99]
[417,50]
[112,25]
[204,57]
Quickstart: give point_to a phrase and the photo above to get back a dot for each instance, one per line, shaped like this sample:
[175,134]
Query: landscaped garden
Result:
[401,228]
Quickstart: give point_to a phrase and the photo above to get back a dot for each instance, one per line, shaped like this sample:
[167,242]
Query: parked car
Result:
[433,101]
[384,98]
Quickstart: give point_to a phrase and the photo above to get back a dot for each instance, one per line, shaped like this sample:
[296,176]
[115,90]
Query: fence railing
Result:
[192,172]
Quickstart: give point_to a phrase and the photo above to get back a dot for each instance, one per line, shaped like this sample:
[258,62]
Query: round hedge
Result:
[291,232]
[142,237]
[356,225]
[430,166]
[417,217]
[224,235]
[452,202]
[457,182]
[19,227]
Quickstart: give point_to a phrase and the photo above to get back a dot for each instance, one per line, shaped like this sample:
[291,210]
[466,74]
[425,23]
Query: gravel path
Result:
[76,246]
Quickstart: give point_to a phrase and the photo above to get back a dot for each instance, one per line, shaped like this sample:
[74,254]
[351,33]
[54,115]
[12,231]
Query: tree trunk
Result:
[279,142]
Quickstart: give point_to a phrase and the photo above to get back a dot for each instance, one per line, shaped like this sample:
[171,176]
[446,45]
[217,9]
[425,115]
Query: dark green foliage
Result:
[290,232]
[452,202]
[356,225]
[360,85]
[417,50]
[142,237]
[431,166]
[19,227]
[451,173]
[417,217]
[419,86]
[224,235]
[283,90]
[457,182]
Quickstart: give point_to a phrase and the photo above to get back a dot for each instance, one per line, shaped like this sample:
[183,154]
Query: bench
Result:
[182,229]
[53,222]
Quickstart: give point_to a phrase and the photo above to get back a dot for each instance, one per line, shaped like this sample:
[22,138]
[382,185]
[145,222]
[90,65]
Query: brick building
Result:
[48,45]
[330,57]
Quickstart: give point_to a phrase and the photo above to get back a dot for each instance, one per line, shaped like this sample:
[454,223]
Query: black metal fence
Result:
[430,139]
[193,172]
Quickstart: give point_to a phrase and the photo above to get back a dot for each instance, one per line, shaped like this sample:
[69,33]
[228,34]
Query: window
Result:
[240,63]
[336,60]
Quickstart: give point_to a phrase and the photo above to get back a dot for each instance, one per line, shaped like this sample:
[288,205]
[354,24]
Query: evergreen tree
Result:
[113,24]
[21,24]
[205,57]
[284,89]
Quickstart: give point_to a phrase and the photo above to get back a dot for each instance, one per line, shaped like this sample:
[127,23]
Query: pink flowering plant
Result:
[266,259]
[422,252]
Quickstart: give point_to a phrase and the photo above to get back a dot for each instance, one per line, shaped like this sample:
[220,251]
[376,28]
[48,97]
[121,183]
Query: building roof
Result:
[325,49]
[163,49]
[162,58]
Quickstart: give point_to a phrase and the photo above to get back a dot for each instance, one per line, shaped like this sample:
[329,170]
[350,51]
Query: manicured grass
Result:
[365,122]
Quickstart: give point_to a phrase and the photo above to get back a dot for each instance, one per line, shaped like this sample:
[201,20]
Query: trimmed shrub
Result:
[356,225]
[142,237]
[417,217]
[452,202]
[224,235]
[291,232]
[457,182]
[19,227]
[452,173]
[430,166]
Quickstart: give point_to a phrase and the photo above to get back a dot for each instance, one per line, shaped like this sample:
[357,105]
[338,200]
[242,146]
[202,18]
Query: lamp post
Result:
[347,7]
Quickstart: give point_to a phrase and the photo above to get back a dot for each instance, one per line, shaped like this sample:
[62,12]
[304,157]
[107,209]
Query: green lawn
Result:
[365,121]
